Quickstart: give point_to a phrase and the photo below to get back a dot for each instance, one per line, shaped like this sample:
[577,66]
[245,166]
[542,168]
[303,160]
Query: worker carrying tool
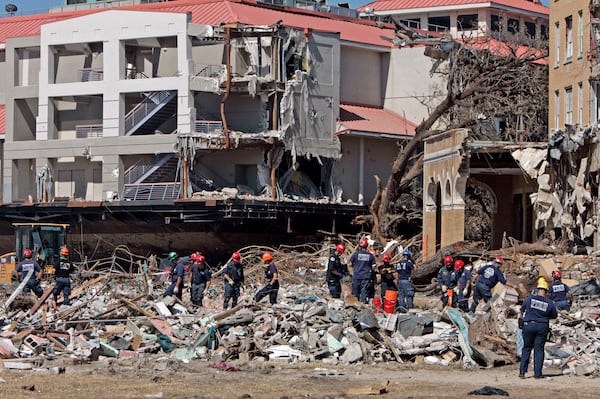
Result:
[234,279]
[447,280]
[23,268]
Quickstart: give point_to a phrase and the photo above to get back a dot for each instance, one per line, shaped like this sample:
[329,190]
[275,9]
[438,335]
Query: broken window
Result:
[496,23]
[438,24]
[569,38]
[513,25]
[530,29]
[466,22]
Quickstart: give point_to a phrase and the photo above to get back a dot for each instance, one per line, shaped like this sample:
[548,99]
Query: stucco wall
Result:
[360,74]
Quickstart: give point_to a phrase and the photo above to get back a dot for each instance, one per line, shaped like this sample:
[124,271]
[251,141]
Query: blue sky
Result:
[32,5]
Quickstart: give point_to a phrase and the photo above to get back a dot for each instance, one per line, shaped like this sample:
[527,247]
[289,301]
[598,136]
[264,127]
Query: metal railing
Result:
[140,111]
[202,126]
[130,73]
[88,131]
[209,70]
[90,75]
[151,191]
[144,166]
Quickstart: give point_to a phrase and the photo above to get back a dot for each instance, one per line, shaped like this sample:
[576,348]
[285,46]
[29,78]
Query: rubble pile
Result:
[119,315]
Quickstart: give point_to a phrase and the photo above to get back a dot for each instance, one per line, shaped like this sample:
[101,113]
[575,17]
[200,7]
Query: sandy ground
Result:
[279,380]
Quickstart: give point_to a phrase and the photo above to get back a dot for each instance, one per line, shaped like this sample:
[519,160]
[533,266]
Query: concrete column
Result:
[7,179]
[185,99]
[113,106]
[112,177]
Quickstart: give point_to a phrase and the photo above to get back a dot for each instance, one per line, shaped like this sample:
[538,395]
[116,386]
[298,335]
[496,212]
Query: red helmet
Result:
[447,260]
[64,251]
[267,257]
[499,260]
[27,253]
[364,243]
[340,248]
[199,258]
[458,264]
[556,274]
[236,257]
[387,257]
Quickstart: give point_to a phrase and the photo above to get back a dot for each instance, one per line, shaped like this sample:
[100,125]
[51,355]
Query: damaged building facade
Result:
[168,101]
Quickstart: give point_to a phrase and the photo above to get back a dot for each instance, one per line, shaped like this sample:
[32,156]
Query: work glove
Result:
[456,290]
[465,292]
[521,323]
[444,288]
[176,290]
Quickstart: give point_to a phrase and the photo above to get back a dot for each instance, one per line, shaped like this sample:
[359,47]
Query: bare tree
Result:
[488,81]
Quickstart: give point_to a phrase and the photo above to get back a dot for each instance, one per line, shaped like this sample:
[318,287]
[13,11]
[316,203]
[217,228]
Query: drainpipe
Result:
[227,87]
[361,170]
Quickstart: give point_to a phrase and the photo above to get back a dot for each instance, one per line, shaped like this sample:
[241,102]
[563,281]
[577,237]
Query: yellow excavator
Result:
[43,239]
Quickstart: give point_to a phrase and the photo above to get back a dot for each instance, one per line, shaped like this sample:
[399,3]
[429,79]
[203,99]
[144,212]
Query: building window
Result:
[580,35]
[580,103]
[530,29]
[467,22]
[594,90]
[556,109]
[438,24]
[544,32]
[495,23]
[568,106]
[513,25]
[569,43]
[557,43]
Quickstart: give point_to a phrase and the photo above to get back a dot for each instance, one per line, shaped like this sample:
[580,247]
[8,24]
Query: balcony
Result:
[90,75]
[88,131]
[208,127]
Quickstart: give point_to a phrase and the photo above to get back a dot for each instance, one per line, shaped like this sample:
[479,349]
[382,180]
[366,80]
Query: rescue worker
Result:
[234,278]
[406,291]
[23,269]
[63,268]
[487,277]
[271,275]
[447,279]
[200,279]
[534,319]
[387,273]
[361,265]
[560,293]
[336,270]
[463,286]
[177,275]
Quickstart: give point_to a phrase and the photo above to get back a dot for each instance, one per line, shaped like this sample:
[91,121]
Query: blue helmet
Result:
[407,253]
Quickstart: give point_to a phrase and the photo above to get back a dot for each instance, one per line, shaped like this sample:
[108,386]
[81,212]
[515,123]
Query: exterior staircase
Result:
[152,112]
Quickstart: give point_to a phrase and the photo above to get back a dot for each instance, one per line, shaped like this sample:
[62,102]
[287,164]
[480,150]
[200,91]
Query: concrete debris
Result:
[118,317]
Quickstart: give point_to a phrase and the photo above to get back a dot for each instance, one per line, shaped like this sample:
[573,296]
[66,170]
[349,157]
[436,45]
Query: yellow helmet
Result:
[542,284]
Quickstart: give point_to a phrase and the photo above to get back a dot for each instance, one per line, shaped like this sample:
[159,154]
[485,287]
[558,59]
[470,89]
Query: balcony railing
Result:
[91,75]
[88,131]
[202,126]
[151,191]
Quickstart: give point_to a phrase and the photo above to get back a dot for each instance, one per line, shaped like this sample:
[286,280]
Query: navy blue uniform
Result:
[271,289]
[488,276]
[559,292]
[63,281]
[537,311]
[32,283]
[235,272]
[406,291]
[387,279]
[336,270]
[176,273]
[464,288]
[200,278]
[363,263]
[449,278]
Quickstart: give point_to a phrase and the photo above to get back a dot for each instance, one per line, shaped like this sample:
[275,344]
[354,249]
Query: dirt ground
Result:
[282,380]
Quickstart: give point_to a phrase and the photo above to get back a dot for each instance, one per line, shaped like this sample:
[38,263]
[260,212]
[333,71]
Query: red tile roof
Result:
[213,12]
[393,5]
[373,120]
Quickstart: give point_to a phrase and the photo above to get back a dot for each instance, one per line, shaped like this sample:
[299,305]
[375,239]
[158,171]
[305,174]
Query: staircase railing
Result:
[151,191]
[143,167]
[140,112]
[202,126]
[208,70]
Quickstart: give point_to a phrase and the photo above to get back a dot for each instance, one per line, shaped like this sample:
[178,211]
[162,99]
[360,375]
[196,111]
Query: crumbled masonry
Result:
[119,315]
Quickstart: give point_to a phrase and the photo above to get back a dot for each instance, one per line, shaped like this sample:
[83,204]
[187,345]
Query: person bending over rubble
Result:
[560,292]
[534,319]
[23,268]
[336,271]
[234,278]
[177,273]
[487,277]
[199,278]
[272,287]
[361,265]
[406,291]
[386,270]
[447,280]
[63,268]
[463,287]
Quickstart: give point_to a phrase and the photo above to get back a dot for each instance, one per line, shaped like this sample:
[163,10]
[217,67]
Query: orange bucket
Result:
[389,306]
[377,305]
[391,295]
